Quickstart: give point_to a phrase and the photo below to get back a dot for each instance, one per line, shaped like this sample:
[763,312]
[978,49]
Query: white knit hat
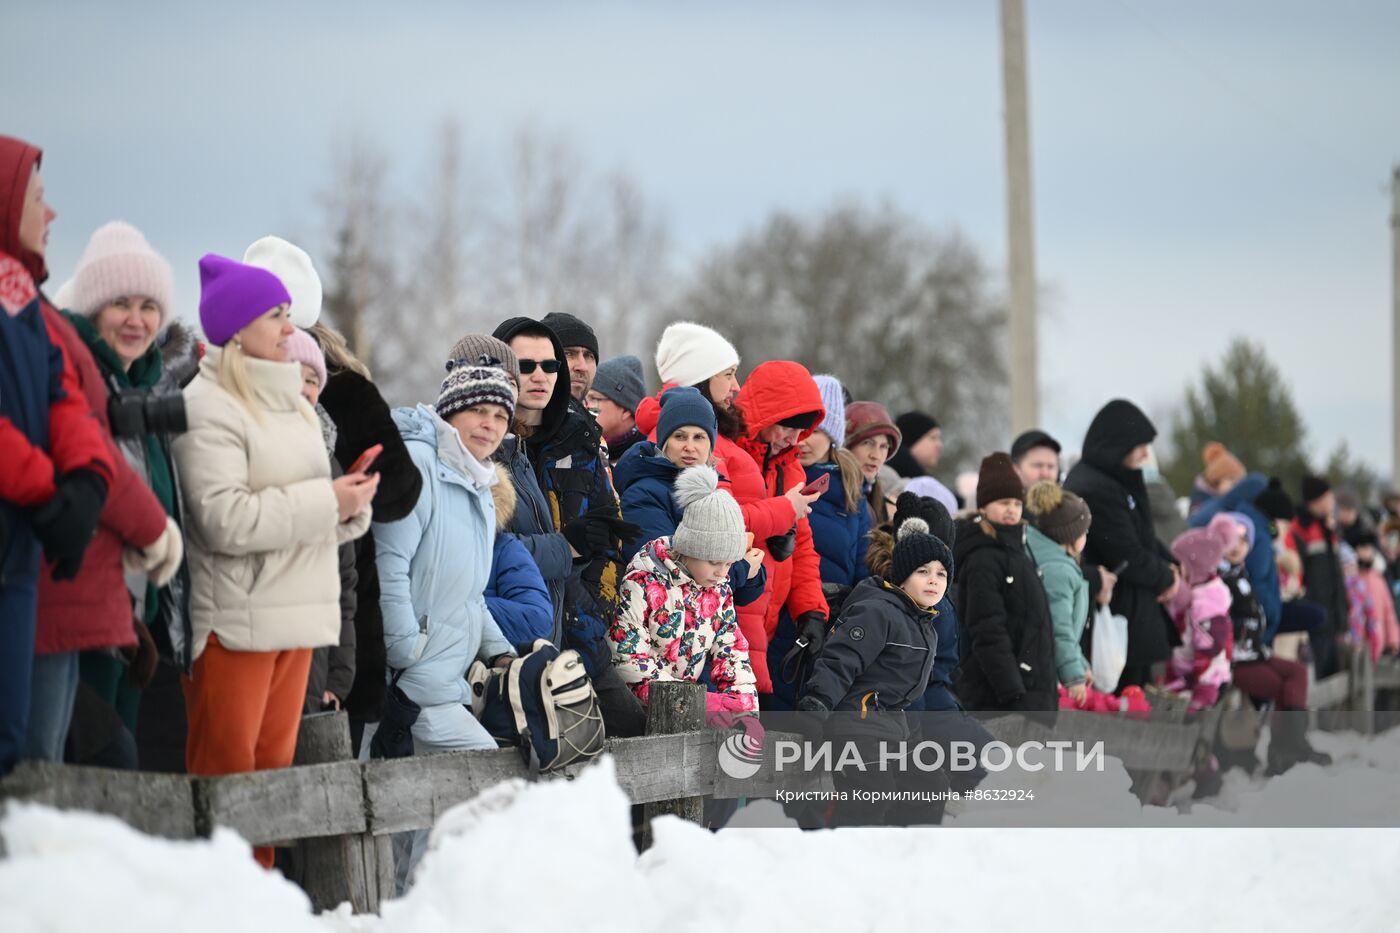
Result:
[834,424]
[118,261]
[688,354]
[711,527]
[292,265]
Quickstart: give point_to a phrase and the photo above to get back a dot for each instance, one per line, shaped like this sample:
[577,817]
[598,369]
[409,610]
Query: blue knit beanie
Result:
[834,398]
[681,406]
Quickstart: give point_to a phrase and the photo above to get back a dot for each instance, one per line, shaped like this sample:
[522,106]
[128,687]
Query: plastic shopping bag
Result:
[1110,648]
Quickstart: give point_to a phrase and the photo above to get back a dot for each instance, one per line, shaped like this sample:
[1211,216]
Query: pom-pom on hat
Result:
[1056,512]
[119,262]
[914,546]
[292,265]
[711,526]
[233,295]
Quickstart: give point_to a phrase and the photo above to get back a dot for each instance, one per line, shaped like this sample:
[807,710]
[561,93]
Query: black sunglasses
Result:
[528,366]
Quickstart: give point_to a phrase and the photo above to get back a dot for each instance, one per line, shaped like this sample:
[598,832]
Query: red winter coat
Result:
[764,514]
[775,391]
[93,610]
[75,439]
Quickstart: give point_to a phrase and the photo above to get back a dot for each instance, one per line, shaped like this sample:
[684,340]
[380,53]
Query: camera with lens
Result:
[134,413]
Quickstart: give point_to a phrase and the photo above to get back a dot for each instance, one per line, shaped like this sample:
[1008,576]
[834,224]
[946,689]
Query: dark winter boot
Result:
[1288,745]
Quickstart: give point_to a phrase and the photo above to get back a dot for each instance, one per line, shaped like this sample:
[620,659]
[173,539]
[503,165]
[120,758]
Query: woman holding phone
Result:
[264,521]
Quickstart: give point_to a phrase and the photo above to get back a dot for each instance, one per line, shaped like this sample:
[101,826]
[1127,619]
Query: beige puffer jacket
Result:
[261,527]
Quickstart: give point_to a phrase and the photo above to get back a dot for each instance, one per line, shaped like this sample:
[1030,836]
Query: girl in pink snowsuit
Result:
[1201,665]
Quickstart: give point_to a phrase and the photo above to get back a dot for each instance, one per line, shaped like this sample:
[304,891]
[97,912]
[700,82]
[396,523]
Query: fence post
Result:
[334,869]
[674,707]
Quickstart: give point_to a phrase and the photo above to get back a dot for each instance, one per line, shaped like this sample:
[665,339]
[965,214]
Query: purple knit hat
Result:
[233,295]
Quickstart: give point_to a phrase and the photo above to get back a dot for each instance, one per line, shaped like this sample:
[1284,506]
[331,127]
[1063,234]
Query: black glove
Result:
[811,628]
[65,524]
[835,594]
[594,532]
[780,547]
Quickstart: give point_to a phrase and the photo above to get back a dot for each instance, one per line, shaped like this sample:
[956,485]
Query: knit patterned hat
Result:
[233,295]
[292,265]
[571,331]
[118,261]
[681,406]
[303,348]
[711,527]
[914,547]
[865,420]
[468,385]
[998,479]
[484,350]
[1220,464]
[688,354]
[1059,514]
[834,400]
[620,379]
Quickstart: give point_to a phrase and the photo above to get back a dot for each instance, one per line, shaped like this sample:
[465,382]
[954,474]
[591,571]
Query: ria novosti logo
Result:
[741,755]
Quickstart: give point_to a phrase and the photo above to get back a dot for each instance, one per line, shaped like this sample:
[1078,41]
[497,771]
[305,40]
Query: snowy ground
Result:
[559,855]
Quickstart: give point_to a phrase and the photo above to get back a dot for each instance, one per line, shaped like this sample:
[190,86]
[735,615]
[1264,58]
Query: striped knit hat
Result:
[468,385]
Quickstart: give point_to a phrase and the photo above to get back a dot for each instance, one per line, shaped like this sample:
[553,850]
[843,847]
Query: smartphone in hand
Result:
[365,460]
[817,486]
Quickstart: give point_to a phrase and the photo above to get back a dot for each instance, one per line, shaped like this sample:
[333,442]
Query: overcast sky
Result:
[1199,172]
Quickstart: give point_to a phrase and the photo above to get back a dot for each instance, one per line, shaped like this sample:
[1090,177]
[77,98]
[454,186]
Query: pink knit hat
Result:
[118,261]
[303,348]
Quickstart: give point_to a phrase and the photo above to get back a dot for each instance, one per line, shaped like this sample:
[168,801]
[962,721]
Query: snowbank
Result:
[559,855]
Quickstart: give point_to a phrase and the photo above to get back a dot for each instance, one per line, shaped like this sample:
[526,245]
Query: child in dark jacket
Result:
[874,664]
[1008,660]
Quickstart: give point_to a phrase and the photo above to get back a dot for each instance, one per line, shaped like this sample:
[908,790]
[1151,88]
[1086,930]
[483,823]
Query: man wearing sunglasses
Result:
[553,458]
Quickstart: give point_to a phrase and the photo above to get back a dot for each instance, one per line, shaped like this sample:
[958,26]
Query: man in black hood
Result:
[1109,478]
[569,517]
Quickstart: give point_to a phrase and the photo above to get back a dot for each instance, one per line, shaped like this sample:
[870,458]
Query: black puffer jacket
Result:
[362,420]
[879,653]
[1007,637]
[1123,530]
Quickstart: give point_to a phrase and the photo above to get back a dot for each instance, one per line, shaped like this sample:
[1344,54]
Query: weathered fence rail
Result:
[342,810]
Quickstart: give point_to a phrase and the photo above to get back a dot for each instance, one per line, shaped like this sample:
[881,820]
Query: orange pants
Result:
[244,710]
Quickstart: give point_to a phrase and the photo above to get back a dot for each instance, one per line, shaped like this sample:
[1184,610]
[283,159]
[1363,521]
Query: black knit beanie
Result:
[572,332]
[933,513]
[1314,488]
[914,547]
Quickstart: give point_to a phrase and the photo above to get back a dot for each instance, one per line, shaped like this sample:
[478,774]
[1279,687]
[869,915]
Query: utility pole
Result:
[1395,325]
[1025,369]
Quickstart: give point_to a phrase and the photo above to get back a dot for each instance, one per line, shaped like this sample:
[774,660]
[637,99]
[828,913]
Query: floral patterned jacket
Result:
[668,626]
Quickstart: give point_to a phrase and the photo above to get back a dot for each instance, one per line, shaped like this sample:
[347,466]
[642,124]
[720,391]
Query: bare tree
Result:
[902,315]
[360,274]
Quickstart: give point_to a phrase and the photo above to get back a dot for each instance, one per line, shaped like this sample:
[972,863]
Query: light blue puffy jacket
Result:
[434,565]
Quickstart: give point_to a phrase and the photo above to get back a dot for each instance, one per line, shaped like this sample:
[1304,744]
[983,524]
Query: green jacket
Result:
[1068,594]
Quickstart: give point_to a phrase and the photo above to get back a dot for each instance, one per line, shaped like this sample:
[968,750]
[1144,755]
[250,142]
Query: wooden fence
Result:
[340,812]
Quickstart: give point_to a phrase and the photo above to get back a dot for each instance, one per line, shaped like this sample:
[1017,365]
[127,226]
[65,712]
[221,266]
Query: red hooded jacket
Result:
[76,440]
[775,391]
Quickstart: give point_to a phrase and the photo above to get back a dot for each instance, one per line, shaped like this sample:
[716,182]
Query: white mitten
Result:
[161,558]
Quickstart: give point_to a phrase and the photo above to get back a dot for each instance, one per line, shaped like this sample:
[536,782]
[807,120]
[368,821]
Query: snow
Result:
[559,854]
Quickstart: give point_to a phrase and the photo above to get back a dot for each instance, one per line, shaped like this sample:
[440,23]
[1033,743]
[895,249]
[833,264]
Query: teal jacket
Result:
[1068,594]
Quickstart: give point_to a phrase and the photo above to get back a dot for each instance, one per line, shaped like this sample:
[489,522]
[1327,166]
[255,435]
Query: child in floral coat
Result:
[676,618]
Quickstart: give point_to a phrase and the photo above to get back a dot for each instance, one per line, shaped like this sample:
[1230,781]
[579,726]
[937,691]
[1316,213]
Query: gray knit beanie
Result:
[712,527]
[620,379]
[473,347]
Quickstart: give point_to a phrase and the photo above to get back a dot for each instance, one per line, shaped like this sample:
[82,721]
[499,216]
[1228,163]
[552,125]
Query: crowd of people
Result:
[208,535]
